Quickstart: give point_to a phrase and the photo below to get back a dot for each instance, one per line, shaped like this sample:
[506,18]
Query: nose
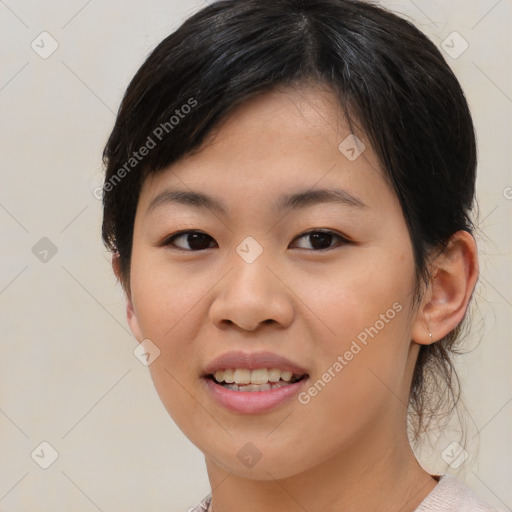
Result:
[252,294]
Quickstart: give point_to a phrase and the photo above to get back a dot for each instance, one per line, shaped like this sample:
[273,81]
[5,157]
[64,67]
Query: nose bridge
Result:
[250,270]
[250,293]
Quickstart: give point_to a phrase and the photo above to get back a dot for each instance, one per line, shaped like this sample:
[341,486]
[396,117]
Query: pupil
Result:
[197,241]
[320,237]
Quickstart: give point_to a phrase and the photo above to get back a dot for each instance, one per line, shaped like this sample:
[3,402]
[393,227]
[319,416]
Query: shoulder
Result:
[451,495]
[202,506]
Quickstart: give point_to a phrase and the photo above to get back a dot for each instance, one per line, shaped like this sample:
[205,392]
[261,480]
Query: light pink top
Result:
[449,495]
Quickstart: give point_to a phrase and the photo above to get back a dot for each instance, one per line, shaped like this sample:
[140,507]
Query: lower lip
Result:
[253,402]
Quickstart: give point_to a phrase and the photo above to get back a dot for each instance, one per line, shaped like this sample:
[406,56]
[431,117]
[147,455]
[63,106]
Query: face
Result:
[298,261]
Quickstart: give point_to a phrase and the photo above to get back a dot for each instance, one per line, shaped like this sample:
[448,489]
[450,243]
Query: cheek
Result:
[353,295]
[166,300]
[172,306]
[168,306]
[368,314]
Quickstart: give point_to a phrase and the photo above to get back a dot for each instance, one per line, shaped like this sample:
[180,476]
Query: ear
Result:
[130,310]
[454,276]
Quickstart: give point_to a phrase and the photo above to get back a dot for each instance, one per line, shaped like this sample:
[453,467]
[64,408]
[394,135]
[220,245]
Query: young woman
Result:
[288,195]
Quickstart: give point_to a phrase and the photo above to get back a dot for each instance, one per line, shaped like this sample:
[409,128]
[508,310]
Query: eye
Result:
[321,240]
[196,240]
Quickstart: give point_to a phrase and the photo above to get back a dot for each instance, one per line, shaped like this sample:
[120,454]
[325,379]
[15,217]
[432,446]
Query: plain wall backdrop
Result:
[68,375]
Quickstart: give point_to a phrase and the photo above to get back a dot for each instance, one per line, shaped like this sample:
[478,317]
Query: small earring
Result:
[428,330]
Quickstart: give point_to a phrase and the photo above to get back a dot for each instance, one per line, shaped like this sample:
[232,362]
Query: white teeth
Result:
[255,387]
[260,376]
[287,376]
[229,376]
[274,375]
[242,376]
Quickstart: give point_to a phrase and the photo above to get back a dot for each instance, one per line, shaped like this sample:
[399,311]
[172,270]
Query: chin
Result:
[256,460]
[262,470]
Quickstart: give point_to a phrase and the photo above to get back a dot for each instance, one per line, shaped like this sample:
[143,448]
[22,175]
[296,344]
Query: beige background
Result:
[68,375]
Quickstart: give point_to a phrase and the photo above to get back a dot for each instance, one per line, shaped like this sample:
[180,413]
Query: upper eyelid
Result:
[327,231]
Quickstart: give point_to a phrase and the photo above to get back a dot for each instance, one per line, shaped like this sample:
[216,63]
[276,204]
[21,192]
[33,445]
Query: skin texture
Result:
[294,300]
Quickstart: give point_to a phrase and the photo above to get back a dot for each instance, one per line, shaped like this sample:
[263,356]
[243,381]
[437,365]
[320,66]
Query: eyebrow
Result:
[294,201]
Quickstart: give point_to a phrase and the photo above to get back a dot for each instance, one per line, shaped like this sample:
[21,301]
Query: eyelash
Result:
[169,240]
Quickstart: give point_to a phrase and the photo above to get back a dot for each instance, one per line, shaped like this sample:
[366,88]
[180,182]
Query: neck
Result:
[372,474]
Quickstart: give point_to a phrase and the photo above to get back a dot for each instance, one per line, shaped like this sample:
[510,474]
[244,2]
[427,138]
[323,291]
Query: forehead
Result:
[284,140]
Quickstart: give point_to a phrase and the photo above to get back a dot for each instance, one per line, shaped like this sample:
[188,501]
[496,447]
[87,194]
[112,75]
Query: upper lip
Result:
[252,361]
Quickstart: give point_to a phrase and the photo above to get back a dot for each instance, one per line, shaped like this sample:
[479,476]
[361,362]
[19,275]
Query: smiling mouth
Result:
[262,379]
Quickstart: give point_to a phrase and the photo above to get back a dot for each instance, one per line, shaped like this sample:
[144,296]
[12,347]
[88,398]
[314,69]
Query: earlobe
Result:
[453,281]
[131,315]
[133,321]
